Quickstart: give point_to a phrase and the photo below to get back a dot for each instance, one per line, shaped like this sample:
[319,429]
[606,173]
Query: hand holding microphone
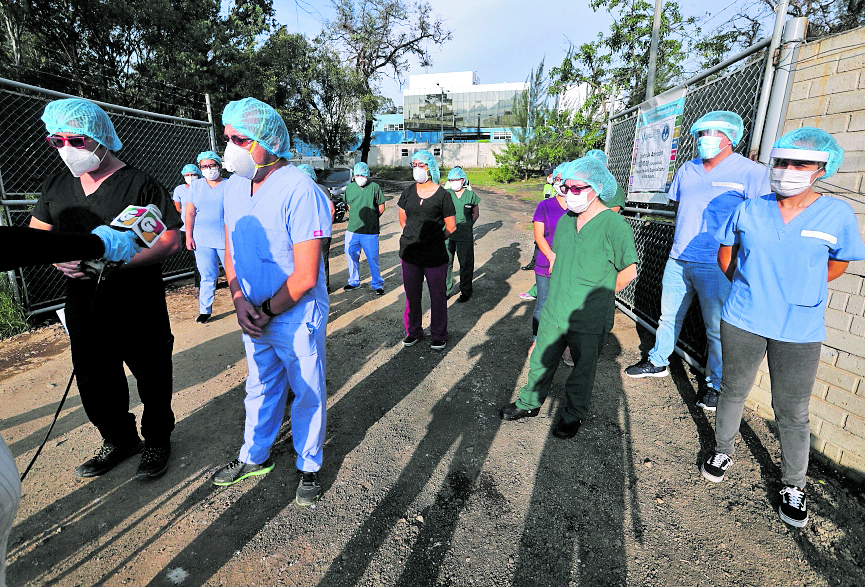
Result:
[119,246]
[133,228]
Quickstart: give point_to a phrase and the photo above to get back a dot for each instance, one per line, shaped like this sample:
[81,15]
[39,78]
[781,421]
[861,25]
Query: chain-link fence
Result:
[736,89]
[157,144]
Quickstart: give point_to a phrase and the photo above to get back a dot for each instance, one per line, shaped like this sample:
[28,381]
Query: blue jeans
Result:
[369,243]
[682,280]
[207,260]
[543,284]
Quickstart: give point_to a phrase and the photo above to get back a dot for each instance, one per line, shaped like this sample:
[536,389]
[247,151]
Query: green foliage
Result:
[13,320]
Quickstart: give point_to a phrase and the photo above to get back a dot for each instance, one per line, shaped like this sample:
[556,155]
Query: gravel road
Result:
[423,483]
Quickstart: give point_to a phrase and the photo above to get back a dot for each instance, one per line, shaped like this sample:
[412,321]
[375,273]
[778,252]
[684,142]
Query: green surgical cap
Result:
[82,117]
[309,170]
[457,173]
[814,139]
[190,168]
[361,169]
[591,171]
[430,161]
[256,120]
[725,121]
[597,154]
[208,155]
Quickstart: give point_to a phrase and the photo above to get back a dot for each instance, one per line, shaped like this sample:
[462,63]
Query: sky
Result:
[500,40]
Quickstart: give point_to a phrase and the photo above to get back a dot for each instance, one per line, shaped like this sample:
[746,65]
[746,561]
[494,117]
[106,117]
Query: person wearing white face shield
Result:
[96,188]
[205,233]
[780,251]
[705,191]
[366,204]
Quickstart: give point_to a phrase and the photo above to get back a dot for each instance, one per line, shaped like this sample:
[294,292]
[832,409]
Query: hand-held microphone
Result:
[144,221]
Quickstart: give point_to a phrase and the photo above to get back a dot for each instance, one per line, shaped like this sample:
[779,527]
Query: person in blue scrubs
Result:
[780,251]
[705,191]
[205,234]
[275,221]
[190,173]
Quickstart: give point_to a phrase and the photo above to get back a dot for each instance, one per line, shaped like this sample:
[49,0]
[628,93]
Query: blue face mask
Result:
[708,147]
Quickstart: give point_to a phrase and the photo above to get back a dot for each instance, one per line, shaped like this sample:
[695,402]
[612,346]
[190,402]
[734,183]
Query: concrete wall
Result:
[828,92]
[463,154]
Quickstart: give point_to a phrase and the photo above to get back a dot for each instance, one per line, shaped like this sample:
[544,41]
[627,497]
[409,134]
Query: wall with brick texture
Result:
[828,92]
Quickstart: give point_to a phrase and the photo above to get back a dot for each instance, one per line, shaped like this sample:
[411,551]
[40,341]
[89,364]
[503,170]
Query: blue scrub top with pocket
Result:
[208,228]
[780,288]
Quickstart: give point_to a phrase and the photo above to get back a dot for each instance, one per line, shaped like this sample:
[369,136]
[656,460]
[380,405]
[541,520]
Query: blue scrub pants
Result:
[10,496]
[369,243]
[542,283]
[207,260]
[287,356]
[681,281]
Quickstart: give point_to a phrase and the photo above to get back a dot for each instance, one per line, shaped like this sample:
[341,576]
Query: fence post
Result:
[210,120]
[794,34]
[768,76]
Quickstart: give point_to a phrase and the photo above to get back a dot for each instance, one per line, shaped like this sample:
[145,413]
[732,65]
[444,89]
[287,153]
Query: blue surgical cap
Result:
[457,173]
[361,169]
[190,168]
[814,139]
[559,170]
[725,121]
[427,158]
[208,155]
[309,170]
[597,154]
[591,171]
[256,120]
[82,117]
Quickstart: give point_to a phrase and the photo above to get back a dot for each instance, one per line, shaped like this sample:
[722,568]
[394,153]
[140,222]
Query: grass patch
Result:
[480,177]
[13,320]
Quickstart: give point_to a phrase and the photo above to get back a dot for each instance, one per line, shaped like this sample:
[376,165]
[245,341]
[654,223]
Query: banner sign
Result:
[656,141]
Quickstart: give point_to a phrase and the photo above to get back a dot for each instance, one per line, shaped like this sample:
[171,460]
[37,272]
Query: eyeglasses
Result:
[421,165]
[211,166]
[239,141]
[576,189]
[74,142]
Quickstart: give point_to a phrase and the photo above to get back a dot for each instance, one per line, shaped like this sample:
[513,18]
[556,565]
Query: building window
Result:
[404,152]
[437,152]
[393,127]
[501,135]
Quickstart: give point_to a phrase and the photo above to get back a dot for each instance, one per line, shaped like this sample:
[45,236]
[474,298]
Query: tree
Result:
[377,37]
[520,159]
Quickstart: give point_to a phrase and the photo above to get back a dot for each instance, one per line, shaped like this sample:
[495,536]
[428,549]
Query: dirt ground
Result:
[423,483]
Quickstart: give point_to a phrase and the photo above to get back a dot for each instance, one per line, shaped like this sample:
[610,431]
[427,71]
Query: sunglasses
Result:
[576,189]
[211,166]
[74,142]
[239,141]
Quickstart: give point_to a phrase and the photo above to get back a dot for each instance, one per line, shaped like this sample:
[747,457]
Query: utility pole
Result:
[442,120]
[653,50]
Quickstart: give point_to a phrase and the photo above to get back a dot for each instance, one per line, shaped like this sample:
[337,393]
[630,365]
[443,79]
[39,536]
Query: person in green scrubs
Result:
[617,202]
[462,242]
[595,257]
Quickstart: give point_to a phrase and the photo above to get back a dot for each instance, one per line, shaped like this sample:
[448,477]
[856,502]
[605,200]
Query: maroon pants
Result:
[412,281]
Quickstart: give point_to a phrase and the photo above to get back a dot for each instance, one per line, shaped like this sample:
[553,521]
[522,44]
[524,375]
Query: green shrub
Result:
[13,320]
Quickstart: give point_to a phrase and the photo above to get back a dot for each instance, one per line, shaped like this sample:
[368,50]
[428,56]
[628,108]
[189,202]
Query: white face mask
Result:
[80,161]
[578,203]
[455,185]
[361,180]
[241,162]
[708,147]
[549,180]
[559,188]
[210,174]
[790,182]
[420,175]
[189,178]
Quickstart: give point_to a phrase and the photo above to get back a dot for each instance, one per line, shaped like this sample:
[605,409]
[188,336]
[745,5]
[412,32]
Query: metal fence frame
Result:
[158,144]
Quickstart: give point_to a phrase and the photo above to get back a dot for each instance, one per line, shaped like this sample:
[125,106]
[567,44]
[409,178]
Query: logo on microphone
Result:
[145,222]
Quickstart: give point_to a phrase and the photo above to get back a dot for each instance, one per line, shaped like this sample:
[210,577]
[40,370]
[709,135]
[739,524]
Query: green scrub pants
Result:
[465,254]
[549,346]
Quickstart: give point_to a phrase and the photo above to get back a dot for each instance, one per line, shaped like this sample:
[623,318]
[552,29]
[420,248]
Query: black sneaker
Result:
[710,400]
[203,318]
[464,298]
[646,369]
[308,489]
[106,458]
[237,471]
[410,341]
[379,291]
[794,507]
[528,267]
[350,287]
[154,462]
[716,467]
[437,345]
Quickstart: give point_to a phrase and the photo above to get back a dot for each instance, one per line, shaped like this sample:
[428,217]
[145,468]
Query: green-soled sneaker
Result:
[237,471]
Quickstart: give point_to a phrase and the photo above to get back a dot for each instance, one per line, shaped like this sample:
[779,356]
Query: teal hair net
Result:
[559,170]
[597,154]
[361,169]
[309,170]
[591,171]
[427,158]
[457,173]
[190,168]
[208,155]
[725,121]
[814,139]
[256,120]
[82,117]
